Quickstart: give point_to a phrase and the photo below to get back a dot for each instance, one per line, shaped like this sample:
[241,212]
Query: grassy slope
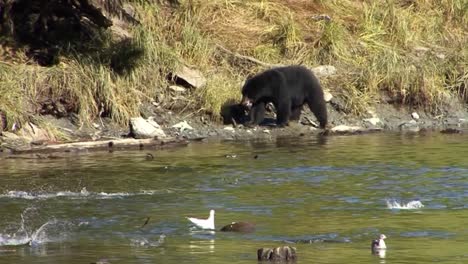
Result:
[416,50]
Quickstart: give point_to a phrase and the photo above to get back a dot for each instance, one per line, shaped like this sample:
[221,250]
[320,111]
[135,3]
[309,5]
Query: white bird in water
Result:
[379,244]
[204,223]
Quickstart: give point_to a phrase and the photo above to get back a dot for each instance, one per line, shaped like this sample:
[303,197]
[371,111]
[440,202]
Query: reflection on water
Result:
[328,196]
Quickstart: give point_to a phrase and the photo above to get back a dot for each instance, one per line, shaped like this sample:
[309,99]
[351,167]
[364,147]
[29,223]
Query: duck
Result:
[204,223]
[379,244]
[242,227]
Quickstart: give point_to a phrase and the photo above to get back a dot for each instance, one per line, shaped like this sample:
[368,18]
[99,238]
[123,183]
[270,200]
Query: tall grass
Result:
[414,51]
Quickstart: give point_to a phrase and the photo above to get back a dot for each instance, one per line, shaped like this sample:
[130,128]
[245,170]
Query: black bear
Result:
[288,88]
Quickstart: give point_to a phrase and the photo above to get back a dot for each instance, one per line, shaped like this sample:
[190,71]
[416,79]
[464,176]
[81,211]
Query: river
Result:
[326,196]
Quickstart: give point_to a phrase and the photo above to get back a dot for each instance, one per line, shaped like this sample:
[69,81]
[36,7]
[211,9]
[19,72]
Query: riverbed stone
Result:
[145,128]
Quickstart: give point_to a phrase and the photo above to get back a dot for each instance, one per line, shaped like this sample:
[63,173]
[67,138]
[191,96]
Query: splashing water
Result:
[84,193]
[26,234]
[148,243]
[392,204]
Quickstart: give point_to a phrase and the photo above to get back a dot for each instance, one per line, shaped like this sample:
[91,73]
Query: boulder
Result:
[33,133]
[145,128]
[192,77]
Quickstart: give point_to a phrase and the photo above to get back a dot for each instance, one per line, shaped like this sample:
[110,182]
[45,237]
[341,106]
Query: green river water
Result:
[328,197]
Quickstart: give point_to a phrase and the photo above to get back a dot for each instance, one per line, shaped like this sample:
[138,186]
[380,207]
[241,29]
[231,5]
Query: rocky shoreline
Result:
[179,129]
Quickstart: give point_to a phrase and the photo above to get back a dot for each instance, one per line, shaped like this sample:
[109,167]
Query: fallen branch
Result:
[247,58]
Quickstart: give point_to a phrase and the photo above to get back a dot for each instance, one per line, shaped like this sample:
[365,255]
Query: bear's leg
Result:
[257,113]
[295,113]
[283,114]
[320,112]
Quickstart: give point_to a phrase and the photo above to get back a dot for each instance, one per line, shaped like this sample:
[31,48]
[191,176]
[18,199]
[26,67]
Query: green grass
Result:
[376,45]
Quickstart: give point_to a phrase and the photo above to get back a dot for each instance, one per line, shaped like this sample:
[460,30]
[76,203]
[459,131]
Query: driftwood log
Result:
[284,253]
[109,145]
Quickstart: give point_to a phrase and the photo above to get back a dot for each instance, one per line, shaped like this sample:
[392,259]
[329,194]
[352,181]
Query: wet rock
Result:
[324,70]
[415,116]
[411,126]
[346,129]
[242,227]
[182,126]
[229,129]
[191,77]
[145,128]
[284,253]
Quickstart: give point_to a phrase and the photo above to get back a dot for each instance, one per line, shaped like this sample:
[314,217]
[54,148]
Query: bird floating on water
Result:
[204,223]
[378,244]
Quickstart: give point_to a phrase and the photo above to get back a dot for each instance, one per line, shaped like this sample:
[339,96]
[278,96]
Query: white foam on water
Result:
[51,230]
[142,241]
[73,195]
[392,204]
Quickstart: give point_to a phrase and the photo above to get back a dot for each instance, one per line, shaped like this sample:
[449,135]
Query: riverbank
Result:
[396,66]
[62,134]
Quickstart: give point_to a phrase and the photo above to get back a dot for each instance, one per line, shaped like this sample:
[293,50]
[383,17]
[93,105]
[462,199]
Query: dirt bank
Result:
[384,117]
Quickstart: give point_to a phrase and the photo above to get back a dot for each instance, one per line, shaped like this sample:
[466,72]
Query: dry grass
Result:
[413,50]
